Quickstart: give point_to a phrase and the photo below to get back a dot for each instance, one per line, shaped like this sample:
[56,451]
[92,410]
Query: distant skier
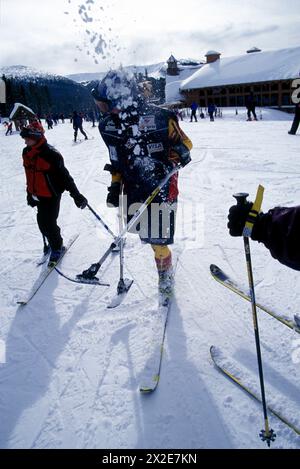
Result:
[251,105]
[194,107]
[211,109]
[47,178]
[278,230]
[77,121]
[145,142]
[55,119]
[49,122]
[92,118]
[18,125]
[296,121]
[178,113]
[9,126]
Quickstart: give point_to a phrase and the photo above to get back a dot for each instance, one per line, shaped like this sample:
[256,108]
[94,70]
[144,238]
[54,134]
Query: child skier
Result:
[145,143]
[47,178]
[8,128]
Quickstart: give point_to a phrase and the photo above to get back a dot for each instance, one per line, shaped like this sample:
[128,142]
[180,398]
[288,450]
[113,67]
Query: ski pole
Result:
[267,434]
[92,137]
[101,221]
[94,268]
[121,214]
[124,283]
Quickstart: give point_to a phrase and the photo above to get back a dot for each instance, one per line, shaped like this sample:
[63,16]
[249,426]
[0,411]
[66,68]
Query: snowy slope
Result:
[73,366]
[155,70]
[23,72]
[248,68]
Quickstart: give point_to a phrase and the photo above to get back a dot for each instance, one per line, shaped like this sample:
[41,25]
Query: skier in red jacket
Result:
[47,178]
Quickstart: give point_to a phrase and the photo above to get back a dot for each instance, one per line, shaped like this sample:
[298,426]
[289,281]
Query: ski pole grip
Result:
[241,198]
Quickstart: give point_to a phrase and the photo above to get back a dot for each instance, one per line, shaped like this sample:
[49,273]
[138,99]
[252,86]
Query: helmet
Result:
[118,89]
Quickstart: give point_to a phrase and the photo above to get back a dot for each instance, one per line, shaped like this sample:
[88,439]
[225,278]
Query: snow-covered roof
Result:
[18,106]
[253,49]
[171,59]
[247,68]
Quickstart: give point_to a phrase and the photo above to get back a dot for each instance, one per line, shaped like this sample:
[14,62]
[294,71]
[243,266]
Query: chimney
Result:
[212,56]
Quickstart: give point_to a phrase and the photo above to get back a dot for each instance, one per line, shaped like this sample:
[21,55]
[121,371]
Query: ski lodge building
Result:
[227,81]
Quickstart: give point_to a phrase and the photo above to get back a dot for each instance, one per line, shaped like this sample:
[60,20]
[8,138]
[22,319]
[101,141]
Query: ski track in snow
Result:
[74,367]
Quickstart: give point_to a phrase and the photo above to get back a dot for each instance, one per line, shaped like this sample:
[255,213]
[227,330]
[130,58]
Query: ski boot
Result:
[55,256]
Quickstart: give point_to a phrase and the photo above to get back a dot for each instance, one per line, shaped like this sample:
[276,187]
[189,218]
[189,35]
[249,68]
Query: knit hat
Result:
[31,132]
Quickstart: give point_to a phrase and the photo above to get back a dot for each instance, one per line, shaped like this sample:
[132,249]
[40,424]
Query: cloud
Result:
[227,34]
[259,31]
[195,43]
[40,35]
[52,58]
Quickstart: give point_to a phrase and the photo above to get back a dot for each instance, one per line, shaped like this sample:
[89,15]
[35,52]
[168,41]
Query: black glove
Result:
[113,195]
[31,201]
[80,201]
[237,218]
[183,153]
[185,159]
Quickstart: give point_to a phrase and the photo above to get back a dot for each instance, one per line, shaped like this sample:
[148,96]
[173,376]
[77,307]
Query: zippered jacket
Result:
[46,174]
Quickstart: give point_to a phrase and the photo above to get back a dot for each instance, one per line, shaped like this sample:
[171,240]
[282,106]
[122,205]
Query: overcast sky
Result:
[67,36]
